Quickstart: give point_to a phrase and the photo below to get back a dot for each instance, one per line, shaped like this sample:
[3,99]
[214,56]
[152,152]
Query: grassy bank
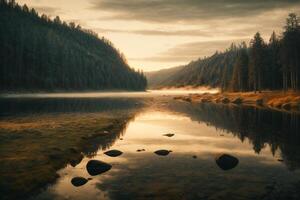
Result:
[33,148]
[278,100]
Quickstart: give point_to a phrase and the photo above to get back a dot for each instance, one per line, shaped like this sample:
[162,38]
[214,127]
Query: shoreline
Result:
[50,143]
[276,100]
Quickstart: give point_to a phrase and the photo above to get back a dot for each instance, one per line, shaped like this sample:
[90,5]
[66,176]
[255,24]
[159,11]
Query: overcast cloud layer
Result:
[189,10]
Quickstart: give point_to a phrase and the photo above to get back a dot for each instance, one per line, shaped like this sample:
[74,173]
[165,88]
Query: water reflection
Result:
[145,175]
[265,142]
[278,130]
[40,136]
[28,106]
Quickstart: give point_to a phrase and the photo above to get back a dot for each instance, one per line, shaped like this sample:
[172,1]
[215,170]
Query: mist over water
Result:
[117,94]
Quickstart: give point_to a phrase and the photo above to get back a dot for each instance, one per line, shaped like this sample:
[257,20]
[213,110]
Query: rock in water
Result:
[95,167]
[259,102]
[169,135]
[238,101]
[113,153]
[226,161]
[225,100]
[162,152]
[78,181]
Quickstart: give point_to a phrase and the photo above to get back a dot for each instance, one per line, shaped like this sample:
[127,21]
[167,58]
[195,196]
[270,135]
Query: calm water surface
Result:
[266,143]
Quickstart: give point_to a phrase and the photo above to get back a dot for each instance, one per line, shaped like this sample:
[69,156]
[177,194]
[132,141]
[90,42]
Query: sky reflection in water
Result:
[144,175]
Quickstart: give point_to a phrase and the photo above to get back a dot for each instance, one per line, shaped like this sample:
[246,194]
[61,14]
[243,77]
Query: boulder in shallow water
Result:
[96,167]
[287,106]
[205,100]
[76,159]
[225,100]
[162,152]
[238,101]
[259,102]
[78,181]
[113,153]
[226,161]
[169,135]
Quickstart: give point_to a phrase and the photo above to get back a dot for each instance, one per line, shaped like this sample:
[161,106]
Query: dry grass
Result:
[288,101]
[33,148]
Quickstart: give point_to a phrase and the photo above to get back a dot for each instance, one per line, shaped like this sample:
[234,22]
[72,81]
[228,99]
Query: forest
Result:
[271,65]
[40,53]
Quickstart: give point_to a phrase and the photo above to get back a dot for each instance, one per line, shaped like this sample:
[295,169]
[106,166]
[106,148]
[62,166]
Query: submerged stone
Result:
[78,181]
[162,152]
[194,156]
[226,161]
[139,150]
[95,167]
[113,153]
[169,135]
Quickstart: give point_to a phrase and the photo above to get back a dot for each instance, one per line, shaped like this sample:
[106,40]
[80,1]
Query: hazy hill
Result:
[159,78]
[271,65]
[202,72]
[38,53]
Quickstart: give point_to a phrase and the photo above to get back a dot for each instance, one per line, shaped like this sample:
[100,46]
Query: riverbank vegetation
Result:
[275,100]
[40,53]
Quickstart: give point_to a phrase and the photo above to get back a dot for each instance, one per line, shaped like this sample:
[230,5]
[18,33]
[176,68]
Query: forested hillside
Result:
[37,53]
[157,78]
[261,65]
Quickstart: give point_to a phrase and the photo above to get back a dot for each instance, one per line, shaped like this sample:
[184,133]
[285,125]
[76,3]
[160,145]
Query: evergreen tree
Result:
[256,62]
[37,53]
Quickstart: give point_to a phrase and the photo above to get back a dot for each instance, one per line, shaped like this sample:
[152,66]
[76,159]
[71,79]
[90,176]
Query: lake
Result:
[35,129]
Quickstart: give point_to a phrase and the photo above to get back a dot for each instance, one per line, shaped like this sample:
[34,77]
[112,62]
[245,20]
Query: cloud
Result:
[189,51]
[189,32]
[48,10]
[188,10]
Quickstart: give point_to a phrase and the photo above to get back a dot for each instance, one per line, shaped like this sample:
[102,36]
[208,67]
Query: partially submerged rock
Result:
[259,102]
[194,156]
[238,101]
[76,160]
[78,181]
[113,153]
[169,135]
[225,100]
[188,99]
[162,152]
[205,100]
[287,106]
[226,161]
[95,167]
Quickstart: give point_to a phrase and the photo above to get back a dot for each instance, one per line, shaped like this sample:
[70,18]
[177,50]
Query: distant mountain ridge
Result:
[37,53]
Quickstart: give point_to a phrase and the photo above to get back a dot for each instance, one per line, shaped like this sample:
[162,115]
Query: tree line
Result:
[272,65]
[40,53]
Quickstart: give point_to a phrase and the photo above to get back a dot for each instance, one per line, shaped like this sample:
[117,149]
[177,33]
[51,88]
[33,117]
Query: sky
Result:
[158,34]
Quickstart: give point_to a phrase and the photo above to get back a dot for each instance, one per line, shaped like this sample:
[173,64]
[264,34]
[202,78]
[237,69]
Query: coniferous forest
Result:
[263,65]
[39,53]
